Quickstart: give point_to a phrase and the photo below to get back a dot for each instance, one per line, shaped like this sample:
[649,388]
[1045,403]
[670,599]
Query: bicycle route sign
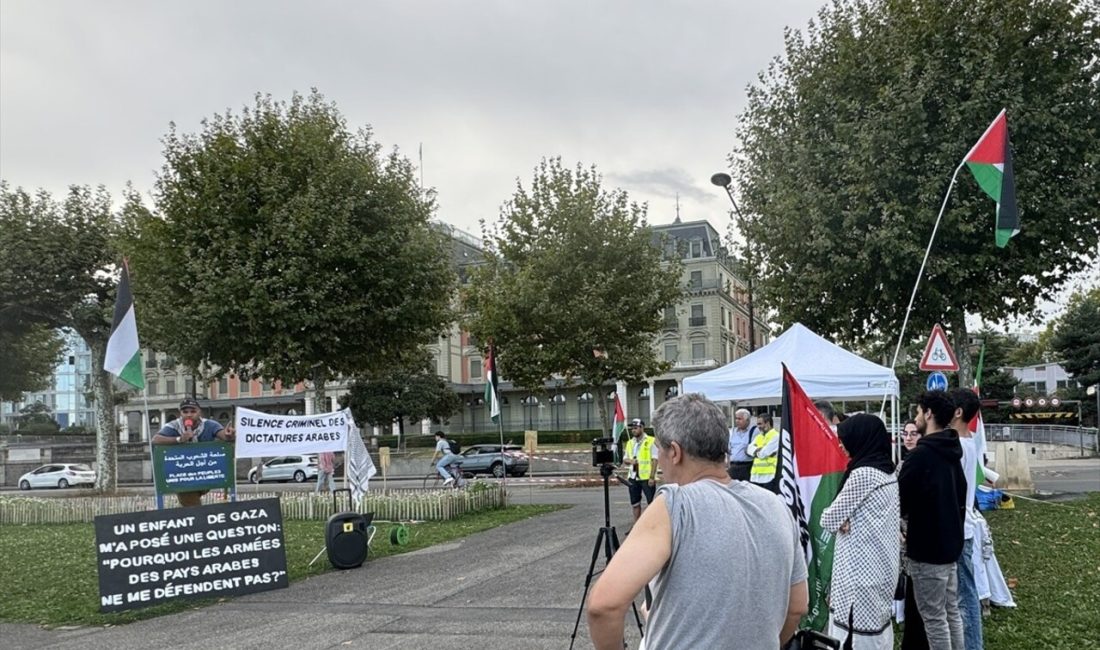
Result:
[938,354]
[936,381]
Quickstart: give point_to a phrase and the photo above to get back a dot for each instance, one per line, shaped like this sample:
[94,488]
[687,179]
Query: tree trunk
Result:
[106,438]
[320,397]
[962,350]
[601,404]
[401,434]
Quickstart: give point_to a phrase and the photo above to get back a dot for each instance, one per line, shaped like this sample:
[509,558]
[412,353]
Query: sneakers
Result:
[448,481]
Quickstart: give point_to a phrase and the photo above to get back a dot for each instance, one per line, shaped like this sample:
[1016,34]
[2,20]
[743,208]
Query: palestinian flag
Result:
[811,465]
[977,425]
[991,163]
[617,429]
[123,358]
[491,399]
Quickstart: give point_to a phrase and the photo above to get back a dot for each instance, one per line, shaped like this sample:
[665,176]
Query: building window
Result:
[169,386]
[698,351]
[671,391]
[672,351]
[151,385]
[267,385]
[151,360]
[475,368]
[697,318]
[223,386]
[696,248]
[696,280]
[584,397]
[671,320]
[189,385]
[244,386]
[643,392]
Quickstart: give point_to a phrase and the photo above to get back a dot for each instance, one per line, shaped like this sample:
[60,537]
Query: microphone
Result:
[189,426]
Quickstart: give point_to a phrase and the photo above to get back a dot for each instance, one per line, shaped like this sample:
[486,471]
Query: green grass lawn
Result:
[49,575]
[1053,551]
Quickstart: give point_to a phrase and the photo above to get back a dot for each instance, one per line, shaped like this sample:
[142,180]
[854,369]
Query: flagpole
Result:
[152,456]
[920,274]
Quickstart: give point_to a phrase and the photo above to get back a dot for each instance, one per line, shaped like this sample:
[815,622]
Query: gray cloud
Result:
[489,87]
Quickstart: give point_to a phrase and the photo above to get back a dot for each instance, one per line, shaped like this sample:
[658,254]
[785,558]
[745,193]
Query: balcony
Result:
[697,321]
[695,364]
[709,284]
[672,324]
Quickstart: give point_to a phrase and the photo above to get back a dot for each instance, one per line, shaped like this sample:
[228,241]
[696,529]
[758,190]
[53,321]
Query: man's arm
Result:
[640,558]
[169,436]
[772,448]
[797,606]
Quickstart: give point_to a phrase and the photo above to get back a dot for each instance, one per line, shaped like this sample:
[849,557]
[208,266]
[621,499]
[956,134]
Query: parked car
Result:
[487,459]
[286,468]
[58,475]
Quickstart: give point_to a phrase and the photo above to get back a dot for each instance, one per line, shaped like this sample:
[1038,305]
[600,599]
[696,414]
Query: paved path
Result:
[516,586]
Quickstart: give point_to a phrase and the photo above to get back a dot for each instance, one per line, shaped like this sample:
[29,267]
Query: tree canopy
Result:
[412,391]
[573,285]
[30,353]
[850,138]
[60,262]
[285,245]
[1077,342]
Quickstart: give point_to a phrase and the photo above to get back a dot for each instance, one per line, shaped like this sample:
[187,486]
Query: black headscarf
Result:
[868,445]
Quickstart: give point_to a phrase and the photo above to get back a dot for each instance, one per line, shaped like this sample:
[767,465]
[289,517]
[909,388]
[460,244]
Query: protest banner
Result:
[261,434]
[227,549]
[193,467]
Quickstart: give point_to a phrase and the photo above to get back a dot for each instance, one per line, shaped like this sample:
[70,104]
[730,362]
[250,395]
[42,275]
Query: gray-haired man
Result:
[728,562]
[740,436]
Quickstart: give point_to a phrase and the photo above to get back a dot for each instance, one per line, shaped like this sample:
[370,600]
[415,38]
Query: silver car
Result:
[286,468]
[58,475]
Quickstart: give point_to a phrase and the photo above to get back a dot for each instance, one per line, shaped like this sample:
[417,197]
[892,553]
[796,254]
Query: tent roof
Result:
[825,371]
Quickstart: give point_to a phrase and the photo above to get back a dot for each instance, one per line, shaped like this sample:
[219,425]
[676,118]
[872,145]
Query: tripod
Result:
[609,540]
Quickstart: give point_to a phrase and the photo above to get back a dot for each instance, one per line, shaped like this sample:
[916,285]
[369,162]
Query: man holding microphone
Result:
[190,426]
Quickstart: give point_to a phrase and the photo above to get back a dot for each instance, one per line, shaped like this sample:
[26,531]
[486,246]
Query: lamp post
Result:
[723,180]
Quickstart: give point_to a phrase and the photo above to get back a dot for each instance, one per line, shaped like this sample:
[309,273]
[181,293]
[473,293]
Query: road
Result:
[1054,476]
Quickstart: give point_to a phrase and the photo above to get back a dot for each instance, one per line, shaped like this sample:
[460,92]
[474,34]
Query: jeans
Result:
[441,466]
[322,477]
[936,590]
[970,608]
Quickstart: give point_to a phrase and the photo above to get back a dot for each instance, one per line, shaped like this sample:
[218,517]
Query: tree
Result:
[400,392]
[286,246]
[60,264]
[30,354]
[849,140]
[1077,342]
[574,284]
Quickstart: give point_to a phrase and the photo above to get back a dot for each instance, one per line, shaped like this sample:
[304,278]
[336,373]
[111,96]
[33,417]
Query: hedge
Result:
[487,437]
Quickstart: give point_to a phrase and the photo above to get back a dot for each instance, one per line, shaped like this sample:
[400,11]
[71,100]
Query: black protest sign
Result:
[227,549]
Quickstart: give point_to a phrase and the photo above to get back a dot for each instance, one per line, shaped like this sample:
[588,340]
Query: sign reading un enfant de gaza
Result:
[262,434]
[225,549]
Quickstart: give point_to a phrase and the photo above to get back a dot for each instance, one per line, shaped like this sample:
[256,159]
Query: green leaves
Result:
[572,269]
[849,141]
[286,245]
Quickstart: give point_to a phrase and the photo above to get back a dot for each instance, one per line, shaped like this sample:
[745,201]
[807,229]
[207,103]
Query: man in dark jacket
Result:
[932,489]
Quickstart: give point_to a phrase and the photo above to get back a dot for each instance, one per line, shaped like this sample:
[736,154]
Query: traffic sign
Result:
[1029,402]
[938,354]
[936,381]
[1017,402]
[1054,401]
[1042,401]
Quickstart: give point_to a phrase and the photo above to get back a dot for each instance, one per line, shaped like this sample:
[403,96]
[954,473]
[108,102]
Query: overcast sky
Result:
[648,91]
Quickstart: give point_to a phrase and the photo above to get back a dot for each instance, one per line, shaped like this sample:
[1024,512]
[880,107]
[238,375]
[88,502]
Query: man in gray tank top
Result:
[725,558]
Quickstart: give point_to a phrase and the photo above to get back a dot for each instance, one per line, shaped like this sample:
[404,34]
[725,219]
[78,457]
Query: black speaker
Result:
[346,536]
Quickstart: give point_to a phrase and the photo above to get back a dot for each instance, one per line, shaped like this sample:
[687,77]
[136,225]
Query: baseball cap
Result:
[637,422]
[189,403]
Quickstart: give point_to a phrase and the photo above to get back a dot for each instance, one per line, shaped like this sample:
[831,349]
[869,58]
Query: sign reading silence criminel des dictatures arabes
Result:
[263,434]
[225,549]
[192,467]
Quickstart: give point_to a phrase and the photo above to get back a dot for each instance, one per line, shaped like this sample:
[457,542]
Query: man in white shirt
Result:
[741,436]
[966,407]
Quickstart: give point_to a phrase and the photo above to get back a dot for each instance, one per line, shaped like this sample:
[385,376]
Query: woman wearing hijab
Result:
[864,517]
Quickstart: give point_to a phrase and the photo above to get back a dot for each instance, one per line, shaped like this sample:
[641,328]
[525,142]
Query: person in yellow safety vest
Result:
[764,450]
[641,455]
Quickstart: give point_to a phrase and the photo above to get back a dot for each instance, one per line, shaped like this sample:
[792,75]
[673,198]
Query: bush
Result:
[38,429]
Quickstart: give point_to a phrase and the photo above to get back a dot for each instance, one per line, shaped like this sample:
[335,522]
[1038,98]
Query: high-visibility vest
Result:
[645,456]
[763,469]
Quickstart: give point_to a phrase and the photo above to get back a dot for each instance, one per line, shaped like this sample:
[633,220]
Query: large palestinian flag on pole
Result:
[811,466]
[491,396]
[617,428]
[123,358]
[990,161]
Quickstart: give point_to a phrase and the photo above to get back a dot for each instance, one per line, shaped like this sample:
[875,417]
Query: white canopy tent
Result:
[825,371]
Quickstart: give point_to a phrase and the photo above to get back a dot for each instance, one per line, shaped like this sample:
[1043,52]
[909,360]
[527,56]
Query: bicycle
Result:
[435,481]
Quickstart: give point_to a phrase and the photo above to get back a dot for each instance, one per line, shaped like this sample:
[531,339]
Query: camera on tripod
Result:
[602,453]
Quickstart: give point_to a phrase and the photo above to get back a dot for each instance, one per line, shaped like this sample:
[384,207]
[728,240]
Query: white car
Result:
[58,475]
[286,468]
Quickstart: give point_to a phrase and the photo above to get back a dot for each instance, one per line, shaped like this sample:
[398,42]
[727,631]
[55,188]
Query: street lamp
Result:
[723,180]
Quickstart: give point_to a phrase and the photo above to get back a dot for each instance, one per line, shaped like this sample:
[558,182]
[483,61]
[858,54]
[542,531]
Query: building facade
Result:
[67,396]
[1042,378]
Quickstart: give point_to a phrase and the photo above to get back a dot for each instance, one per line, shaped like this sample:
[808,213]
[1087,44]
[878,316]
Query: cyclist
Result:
[443,452]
